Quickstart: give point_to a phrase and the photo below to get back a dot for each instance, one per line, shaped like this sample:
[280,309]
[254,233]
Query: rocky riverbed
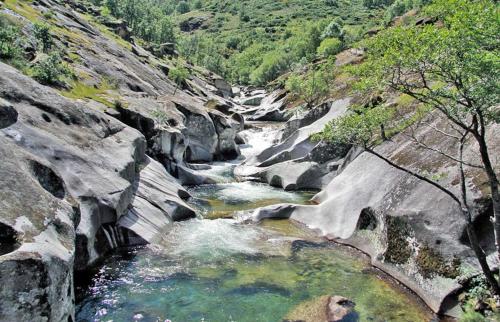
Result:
[123,158]
[209,269]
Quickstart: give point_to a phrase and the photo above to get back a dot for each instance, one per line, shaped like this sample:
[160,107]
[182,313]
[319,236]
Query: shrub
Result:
[273,65]
[178,75]
[9,47]
[51,70]
[311,88]
[329,47]
[183,7]
[333,30]
[42,34]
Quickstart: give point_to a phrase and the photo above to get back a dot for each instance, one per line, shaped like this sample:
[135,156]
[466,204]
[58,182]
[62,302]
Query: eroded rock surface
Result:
[297,162]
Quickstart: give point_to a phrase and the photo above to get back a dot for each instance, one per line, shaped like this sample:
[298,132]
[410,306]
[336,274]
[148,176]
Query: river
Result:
[218,267]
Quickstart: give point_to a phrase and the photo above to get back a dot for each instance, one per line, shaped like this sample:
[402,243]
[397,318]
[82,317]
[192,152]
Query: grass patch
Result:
[80,90]
[23,8]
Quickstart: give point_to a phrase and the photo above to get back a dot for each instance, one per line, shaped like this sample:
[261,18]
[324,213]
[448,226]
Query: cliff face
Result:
[86,173]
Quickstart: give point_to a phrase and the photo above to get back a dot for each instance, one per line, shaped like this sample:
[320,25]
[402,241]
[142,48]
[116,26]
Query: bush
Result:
[9,47]
[311,88]
[42,34]
[333,30]
[273,65]
[329,47]
[183,7]
[178,75]
[51,70]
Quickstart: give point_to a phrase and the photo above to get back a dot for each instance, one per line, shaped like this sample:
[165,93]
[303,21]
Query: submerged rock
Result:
[340,309]
[324,309]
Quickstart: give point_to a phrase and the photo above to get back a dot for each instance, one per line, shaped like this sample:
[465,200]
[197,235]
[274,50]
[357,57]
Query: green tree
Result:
[274,64]
[311,87]
[332,30]
[329,47]
[179,76]
[452,69]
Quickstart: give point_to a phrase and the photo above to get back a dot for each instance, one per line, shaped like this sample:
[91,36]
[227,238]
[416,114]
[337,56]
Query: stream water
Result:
[228,270]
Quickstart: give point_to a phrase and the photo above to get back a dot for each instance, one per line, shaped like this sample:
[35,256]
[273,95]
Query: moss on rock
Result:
[430,263]
[398,248]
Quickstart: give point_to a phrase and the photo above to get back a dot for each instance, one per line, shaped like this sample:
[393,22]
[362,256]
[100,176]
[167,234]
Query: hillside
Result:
[253,42]
[148,149]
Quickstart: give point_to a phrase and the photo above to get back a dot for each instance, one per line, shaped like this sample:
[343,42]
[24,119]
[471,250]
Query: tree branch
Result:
[415,174]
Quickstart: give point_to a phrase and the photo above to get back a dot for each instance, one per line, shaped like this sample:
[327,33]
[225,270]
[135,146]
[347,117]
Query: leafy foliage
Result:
[256,41]
[41,31]
[454,68]
[329,47]
[51,70]
[360,127]
[311,87]
[9,47]
[149,19]
[178,75]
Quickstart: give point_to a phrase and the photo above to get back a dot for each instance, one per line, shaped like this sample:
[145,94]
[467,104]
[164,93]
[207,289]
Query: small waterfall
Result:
[114,235]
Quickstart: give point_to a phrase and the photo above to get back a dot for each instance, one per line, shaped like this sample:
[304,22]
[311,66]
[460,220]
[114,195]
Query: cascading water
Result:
[228,270]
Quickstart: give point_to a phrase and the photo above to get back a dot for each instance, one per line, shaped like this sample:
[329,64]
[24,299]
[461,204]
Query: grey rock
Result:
[270,107]
[156,204]
[193,23]
[37,233]
[297,162]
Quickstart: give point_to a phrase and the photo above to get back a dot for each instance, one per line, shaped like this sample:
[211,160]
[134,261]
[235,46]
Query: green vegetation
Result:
[178,75]
[329,47]
[149,19]
[431,263]
[41,32]
[312,86]
[11,43]
[50,69]
[9,47]
[46,67]
[251,41]
[99,93]
[451,68]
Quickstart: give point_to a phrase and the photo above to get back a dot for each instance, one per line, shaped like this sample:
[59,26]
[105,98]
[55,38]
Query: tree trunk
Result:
[480,255]
[471,232]
[493,182]
[478,251]
[382,132]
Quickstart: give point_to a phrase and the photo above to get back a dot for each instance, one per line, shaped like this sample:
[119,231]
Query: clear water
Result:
[227,199]
[222,270]
[227,270]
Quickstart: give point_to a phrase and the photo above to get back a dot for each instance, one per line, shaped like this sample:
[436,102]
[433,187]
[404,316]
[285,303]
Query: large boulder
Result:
[158,201]
[226,129]
[37,234]
[194,23]
[297,162]
[74,184]
[76,143]
[340,309]
[269,107]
